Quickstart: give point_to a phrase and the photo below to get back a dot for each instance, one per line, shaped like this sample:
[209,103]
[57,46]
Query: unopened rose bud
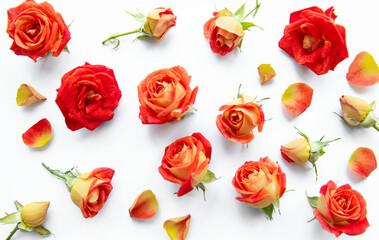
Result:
[355,110]
[159,21]
[34,214]
[297,150]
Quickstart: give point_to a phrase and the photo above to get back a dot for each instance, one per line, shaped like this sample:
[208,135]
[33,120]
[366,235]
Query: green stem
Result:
[55,172]
[119,35]
[314,165]
[254,9]
[376,127]
[13,232]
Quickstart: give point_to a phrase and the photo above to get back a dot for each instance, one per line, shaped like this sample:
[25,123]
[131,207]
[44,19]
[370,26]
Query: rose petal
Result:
[145,206]
[39,134]
[27,95]
[297,98]
[363,161]
[266,72]
[363,71]
[177,228]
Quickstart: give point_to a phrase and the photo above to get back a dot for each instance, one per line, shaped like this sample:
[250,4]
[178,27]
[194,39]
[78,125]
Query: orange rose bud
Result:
[177,228]
[159,21]
[145,206]
[356,111]
[297,150]
[363,71]
[38,135]
[266,72]
[363,161]
[34,214]
[27,95]
[297,98]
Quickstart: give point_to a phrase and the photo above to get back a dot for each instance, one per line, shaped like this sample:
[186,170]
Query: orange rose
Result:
[36,30]
[159,21]
[186,162]
[165,95]
[341,210]
[260,183]
[239,118]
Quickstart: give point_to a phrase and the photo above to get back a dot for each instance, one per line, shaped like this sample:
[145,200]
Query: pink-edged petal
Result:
[363,161]
[266,72]
[39,134]
[297,98]
[363,71]
[177,228]
[27,95]
[145,206]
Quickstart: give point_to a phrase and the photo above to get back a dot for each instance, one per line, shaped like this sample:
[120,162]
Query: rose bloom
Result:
[260,183]
[87,96]
[159,21]
[185,162]
[165,95]
[298,150]
[37,30]
[239,118]
[314,40]
[90,191]
[341,210]
[223,32]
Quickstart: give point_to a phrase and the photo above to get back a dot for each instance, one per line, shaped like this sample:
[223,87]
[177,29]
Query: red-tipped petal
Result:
[145,206]
[266,72]
[363,71]
[297,98]
[363,161]
[27,95]
[39,134]
[177,228]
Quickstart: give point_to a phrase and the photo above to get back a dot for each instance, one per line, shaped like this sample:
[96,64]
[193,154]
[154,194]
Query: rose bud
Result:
[37,30]
[314,40]
[225,30]
[302,150]
[186,162]
[89,191]
[358,112]
[156,24]
[340,210]
[261,184]
[28,218]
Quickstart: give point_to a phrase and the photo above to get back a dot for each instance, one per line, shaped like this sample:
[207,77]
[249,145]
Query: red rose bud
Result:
[314,40]
[159,21]
[37,30]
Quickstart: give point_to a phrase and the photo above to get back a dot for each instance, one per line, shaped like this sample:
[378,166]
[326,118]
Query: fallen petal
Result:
[363,71]
[363,161]
[297,98]
[177,228]
[145,206]
[27,95]
[266,72]
[39,134]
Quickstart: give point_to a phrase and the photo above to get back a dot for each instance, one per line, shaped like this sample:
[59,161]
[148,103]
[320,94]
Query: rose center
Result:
[33,31]
[235,117]
[92,96]
[310,44]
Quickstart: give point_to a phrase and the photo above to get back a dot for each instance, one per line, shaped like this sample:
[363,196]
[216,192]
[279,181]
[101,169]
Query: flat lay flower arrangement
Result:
[189,120]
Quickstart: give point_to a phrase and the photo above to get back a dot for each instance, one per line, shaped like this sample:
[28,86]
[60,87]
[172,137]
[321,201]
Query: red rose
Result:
[165,95]
[87,96]
[341,210]
[314,40]
[186,162]
[37,30]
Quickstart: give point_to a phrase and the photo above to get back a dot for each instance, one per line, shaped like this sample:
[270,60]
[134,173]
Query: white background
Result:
[135,150]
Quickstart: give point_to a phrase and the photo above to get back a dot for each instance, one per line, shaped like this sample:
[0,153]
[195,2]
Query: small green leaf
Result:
[69,25]
[268,211]
[143,36]
[192,109]
[66,49]
[302,134]
[18,206]
[239,90]
[203,188]
[41,231]
[11,218]
[239,13]
[247,25]
[24,227]
[312,200]
[209,177]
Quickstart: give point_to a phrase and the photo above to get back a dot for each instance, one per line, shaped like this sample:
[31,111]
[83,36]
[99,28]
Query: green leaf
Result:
[239,13]
[69,25]
[203,188]
[302,134]
[11,218]
[41,231]
[277,205]
[192,109]
[66,49]
[143,36]
[18,206]
[312,200]
[24,227]
[209,177]
[247,25]
[138,16]
[268,211]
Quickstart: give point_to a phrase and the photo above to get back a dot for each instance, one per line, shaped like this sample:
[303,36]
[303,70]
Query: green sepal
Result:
[209,177]
[202,187]
[66,49]
[23,227]
[370,120]
[239,91]
[69,177]
[138,16]
[41,231]
[143,36]
[302,134]
[11,218]
[191,109]
[18,206]
[277,205]
[268,211]
[312,200]
[247,25]
[69,25]
[239,13]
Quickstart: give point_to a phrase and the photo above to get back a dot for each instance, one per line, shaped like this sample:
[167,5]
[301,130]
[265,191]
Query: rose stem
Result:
[55,172]
[12,233]
[254,9]
[376,127]
[119,35]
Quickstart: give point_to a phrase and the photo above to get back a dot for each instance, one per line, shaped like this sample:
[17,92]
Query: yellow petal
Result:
[177,228]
